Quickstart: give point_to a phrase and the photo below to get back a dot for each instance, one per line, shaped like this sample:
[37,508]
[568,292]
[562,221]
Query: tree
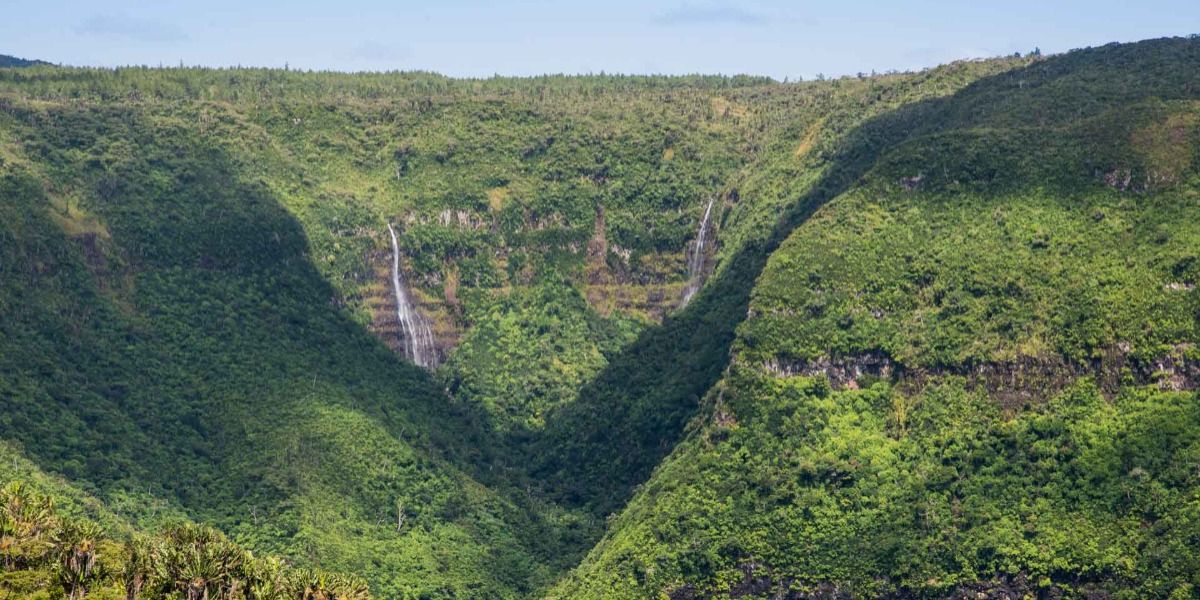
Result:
[312,584]
[138,568]
[79,567]
[200,563]
[25,521]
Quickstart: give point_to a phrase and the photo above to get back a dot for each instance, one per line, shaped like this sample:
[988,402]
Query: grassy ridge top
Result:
[7,62]
[140,83]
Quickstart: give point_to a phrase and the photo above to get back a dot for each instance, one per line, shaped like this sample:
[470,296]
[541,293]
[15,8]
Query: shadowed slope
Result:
[831,477]
[633,413]
[165,333]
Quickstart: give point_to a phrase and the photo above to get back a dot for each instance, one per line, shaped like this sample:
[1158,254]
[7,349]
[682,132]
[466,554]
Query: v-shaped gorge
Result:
[208,292]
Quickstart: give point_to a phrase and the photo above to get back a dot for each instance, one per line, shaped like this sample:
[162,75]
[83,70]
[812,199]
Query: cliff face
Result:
[1013,384]
[646,290]
[615,284]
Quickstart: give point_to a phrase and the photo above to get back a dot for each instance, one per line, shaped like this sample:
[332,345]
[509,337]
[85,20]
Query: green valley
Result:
[319,333]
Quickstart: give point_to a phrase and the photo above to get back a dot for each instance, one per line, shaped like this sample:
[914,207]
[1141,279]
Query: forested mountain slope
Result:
[970,372]
[193,268]
[633,413]
[939,309]
[168,339]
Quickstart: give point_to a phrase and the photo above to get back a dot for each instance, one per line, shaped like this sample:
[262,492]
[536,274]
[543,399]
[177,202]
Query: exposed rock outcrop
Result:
[1014,382]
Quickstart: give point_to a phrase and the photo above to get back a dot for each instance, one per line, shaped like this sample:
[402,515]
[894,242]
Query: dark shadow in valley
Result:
[594,452]
[630,416]
[231,329]
[226,341]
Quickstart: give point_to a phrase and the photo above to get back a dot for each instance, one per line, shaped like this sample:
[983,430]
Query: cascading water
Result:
[414,329]
[696,259]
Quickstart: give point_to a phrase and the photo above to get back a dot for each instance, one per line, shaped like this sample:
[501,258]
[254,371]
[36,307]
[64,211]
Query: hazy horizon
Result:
[468,38]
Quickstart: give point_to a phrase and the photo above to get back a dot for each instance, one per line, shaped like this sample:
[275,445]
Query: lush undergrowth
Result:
[166,340]
[597,449]
[1003,302]
[197,321]
[792,488]
[49,555]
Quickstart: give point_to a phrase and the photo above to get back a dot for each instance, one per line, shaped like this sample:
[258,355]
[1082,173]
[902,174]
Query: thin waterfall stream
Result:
[414,328]
[696,259]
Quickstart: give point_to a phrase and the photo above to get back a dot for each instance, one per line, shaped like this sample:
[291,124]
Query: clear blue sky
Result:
[477,38]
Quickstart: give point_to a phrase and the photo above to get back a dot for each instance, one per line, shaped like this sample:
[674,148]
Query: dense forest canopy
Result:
[943,343]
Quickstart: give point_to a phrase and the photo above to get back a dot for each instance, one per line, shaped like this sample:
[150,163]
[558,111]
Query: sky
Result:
[474,38]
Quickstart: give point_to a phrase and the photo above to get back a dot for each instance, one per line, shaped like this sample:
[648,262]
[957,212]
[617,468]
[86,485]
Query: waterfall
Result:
[695,265]
[414,329]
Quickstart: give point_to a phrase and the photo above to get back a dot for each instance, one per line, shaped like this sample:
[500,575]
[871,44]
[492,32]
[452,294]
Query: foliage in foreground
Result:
[188,263]
[189,259]
[46,556]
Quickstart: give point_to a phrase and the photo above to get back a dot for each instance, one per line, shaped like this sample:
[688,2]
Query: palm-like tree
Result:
[200,563]
[350,587]
[308,584]
[26,520]
[188,561]
[312,584]
[79,567]
[264,579]
[138,568]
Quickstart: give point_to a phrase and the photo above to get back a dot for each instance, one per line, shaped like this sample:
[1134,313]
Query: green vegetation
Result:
[882,493]
[47,556]
[193,265]
[947,346]
[958,373]
[173,345]
[634,412]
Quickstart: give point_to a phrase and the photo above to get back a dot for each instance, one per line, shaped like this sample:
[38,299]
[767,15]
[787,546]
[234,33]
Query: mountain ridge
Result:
[199,306]
[10,62]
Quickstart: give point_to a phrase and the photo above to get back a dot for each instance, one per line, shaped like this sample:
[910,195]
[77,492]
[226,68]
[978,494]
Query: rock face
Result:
[842,372]
[615,279]
[1012,383]
[648,290]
